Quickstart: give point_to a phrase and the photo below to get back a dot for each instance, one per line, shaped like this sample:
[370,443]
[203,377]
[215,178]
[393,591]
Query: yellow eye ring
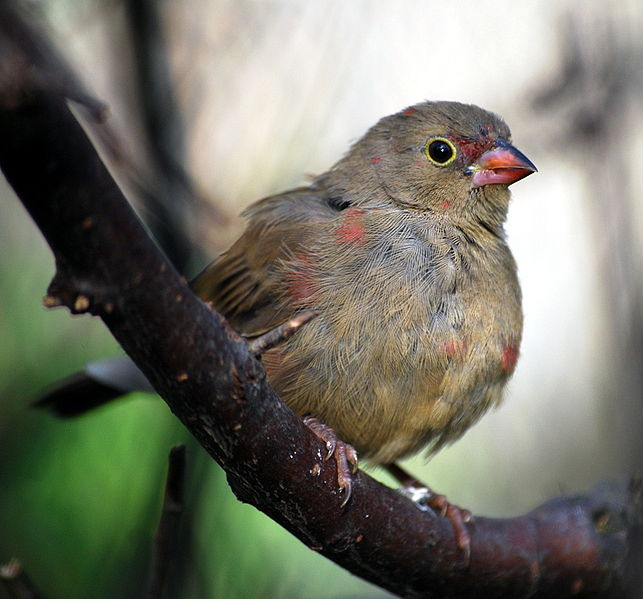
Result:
[440,151]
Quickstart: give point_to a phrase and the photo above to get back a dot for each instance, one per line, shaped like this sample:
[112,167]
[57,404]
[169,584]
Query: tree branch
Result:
[108,266]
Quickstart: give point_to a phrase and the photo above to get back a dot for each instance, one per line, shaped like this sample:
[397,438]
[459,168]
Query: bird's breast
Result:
[412,335]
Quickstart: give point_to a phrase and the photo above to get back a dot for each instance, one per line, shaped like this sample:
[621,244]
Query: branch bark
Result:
[107,265]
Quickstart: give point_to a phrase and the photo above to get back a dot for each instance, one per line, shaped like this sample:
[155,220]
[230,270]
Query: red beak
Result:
[502,165]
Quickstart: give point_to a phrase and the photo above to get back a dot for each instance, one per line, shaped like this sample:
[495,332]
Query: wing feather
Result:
[247,283]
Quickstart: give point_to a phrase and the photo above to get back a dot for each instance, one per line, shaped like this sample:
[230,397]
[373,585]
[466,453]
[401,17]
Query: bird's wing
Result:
[247,283]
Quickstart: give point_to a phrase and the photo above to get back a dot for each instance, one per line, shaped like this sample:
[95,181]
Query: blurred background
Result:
[214,104]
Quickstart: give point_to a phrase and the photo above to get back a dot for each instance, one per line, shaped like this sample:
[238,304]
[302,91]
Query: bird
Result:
[400,250]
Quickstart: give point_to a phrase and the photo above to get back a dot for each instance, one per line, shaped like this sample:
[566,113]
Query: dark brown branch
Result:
[166,533]
[106,264]
[37,60]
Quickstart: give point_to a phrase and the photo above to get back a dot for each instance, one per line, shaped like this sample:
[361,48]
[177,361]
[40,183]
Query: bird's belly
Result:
[417,371]
[392,394]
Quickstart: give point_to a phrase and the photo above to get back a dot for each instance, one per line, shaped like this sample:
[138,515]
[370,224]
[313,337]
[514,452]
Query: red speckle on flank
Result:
[376,159]
[300,282]
[509,357]
[352,230]
[455,347]
[409,111]
[446,204]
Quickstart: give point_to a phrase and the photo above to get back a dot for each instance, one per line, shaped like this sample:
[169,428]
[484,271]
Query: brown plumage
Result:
[400,248]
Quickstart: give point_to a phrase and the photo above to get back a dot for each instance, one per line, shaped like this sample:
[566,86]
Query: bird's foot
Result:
[344,455]
[426,499]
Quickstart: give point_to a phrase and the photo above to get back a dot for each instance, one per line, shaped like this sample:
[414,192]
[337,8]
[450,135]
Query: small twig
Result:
[164,543]
[17,583]
[281,333]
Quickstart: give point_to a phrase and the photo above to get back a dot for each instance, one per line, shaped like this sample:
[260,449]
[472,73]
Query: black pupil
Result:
[440,151]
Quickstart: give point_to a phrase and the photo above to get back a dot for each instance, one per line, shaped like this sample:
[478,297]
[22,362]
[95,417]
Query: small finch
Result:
[400,250]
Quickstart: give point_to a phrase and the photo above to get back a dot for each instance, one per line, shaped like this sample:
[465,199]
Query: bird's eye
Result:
[440,151]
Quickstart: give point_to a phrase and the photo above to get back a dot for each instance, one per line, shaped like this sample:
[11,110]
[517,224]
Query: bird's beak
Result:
[502,165]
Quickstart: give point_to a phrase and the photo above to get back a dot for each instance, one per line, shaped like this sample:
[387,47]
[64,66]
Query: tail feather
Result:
[100,383]
[75,395]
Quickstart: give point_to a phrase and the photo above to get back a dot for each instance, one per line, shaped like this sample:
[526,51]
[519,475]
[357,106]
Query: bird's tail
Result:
[99,383]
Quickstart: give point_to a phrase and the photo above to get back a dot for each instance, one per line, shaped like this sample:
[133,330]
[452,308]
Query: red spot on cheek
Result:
[300,283]
[509,357]
[455,347]
[409,111]
[446,204]
[376,159]
[352,229]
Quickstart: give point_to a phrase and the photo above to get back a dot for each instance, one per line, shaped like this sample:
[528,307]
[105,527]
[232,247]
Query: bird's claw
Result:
[426,499]
[330,447]
[344,455]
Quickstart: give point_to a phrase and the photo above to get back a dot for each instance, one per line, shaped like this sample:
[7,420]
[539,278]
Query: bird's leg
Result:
[344,455]
[280,334]
[425,498]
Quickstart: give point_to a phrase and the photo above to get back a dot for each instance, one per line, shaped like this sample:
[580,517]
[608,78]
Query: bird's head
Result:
[444,158]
